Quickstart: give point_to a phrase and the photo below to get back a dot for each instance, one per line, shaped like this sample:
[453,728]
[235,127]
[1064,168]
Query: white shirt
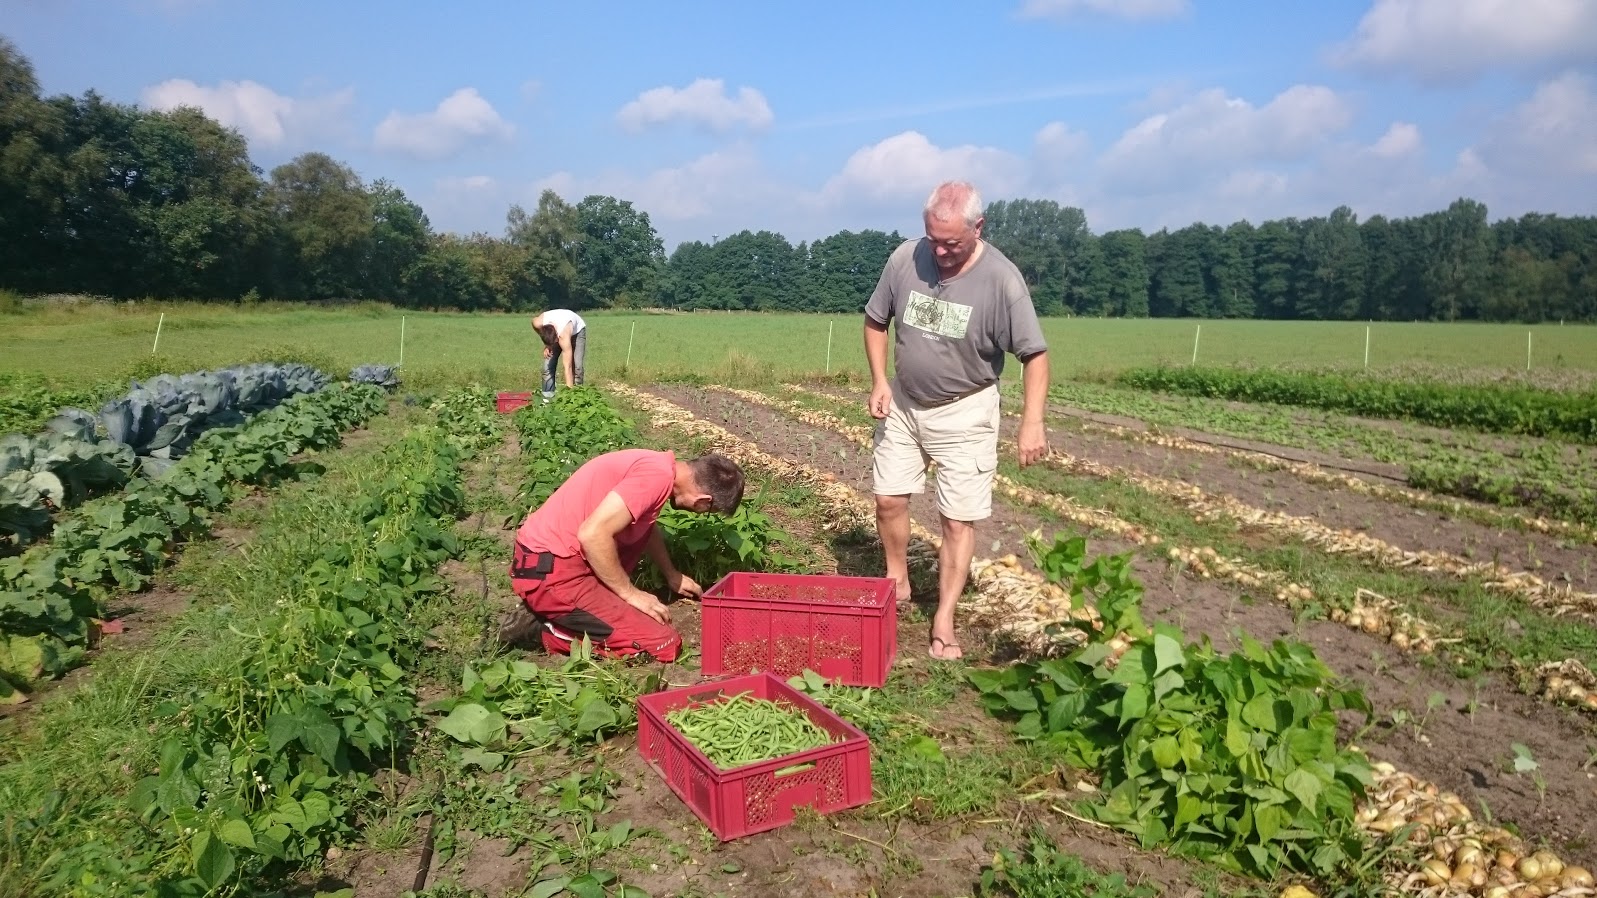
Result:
[560,318]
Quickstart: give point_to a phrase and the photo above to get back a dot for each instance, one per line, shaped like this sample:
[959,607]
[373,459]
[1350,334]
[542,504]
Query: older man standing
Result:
[957,306]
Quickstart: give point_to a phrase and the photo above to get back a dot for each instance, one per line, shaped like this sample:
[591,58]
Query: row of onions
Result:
[1458,854]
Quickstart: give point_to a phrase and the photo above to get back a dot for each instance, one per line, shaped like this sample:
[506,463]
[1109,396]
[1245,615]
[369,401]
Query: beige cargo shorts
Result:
[960,436]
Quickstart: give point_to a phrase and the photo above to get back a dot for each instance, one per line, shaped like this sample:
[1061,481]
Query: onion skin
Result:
[1575,877]
[1530,868]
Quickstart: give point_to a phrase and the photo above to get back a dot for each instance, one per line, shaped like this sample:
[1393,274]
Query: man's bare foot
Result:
[902,589]
[945,650]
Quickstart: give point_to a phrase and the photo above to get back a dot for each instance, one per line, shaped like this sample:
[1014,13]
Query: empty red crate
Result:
[764,795]
[843,628]
[509,402]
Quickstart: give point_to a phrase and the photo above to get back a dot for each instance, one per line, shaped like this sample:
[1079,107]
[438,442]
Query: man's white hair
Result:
[945,202]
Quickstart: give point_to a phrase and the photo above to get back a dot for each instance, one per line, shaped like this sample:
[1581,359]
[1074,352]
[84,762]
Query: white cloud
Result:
[905,167]
[1552,132]
[461,118]
[1059,154]
[1127,9]
[722,182]
[469,182]
[1401,139]
[1541,155]
[1441,40]
[1215,132]
[261,114]
[704,104]
[1202,157]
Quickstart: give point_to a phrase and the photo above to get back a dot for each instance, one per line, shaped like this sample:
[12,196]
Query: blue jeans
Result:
[552,367]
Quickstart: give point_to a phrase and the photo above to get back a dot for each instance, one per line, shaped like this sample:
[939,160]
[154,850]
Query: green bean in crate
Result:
[745,730]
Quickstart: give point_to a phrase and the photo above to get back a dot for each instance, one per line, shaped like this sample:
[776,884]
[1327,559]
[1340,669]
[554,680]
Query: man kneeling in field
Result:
[575,554]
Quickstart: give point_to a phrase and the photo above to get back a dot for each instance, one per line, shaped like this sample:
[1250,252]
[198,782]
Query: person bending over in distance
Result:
[575,554]
[956,306]
[565,344]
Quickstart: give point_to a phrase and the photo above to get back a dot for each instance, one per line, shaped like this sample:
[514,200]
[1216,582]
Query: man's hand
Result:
[547,352]
[684,585]
[648,604]
[1032,442]
[881,400]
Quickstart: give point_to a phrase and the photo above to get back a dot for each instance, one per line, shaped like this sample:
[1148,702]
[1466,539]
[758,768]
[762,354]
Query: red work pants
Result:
[571,597]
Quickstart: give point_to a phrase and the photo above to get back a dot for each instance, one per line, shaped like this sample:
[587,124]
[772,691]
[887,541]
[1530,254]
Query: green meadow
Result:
[91,341]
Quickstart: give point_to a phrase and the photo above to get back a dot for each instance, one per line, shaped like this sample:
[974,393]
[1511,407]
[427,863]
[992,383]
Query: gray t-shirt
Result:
[951,336]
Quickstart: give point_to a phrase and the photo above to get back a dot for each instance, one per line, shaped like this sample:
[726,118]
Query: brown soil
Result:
[1367,467]
[848,853]
[1460,751]
[1400,525]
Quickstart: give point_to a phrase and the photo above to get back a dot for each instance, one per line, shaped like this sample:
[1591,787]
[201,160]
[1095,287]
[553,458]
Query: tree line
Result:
[116,200]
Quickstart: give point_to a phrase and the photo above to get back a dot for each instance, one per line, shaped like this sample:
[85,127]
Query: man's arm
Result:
[675,580]
[566,360]
[1033,440]
[597,535]
[876,356]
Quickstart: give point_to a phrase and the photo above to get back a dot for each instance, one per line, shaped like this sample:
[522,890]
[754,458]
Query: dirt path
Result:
[1463,745]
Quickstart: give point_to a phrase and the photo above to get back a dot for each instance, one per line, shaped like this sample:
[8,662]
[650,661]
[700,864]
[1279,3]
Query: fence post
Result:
[1527,350]
[628,365]
[1366,346]
[1198,333]
[158,333]
[402,341]
[829,347]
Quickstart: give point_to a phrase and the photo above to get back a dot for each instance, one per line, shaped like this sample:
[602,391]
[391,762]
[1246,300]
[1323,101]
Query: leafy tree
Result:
[1179,287]
[1275,259]
[1457,251]
[548,241]
[618,254]
[1044,240]
[841,271]
[401,236]
[1333,263]
[325,224]
[1126,268]
[1230,270]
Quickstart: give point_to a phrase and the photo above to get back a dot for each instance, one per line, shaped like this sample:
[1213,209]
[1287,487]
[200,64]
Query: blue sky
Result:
[813,118]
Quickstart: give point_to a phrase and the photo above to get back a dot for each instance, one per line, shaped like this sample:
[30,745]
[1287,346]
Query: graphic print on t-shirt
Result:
[939,316]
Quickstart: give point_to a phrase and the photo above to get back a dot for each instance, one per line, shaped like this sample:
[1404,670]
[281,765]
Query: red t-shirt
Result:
[643,479]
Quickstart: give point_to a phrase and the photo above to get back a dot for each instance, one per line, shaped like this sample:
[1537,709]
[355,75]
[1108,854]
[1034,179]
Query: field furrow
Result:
[1454,733]
[1400,795]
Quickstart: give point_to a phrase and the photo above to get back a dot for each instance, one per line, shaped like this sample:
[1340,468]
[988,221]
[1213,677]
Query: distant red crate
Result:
[509,402]
[843,628]
[765,795]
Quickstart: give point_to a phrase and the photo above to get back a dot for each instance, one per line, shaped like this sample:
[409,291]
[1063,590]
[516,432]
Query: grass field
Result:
[103,340]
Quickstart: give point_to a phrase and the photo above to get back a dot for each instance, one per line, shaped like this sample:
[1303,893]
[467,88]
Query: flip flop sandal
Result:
[947,644]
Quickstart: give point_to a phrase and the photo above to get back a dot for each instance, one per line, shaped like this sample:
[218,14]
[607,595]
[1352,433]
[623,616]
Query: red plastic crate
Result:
[843,628]
[755,797]
[509,402]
